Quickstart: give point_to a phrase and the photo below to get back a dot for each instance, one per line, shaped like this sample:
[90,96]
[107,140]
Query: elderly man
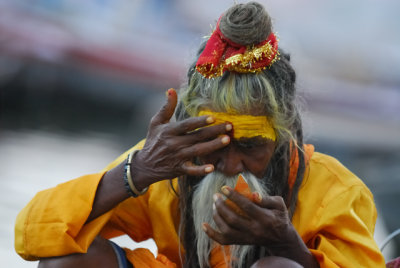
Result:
[236,115]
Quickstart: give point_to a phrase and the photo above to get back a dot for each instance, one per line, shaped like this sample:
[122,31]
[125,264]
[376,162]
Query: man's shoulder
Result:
[327,174]
[329,167]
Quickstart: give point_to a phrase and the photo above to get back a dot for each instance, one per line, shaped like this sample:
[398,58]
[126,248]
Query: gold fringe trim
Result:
[242,63]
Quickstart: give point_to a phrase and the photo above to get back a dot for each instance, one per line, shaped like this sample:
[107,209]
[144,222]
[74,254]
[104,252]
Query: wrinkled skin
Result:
[168,152]
[267,225]
[171,146]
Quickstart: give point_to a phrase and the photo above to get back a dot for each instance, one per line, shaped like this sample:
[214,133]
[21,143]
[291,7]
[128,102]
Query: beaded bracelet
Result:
[129,186]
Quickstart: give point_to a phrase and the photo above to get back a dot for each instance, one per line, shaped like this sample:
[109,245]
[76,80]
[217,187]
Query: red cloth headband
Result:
[221,54]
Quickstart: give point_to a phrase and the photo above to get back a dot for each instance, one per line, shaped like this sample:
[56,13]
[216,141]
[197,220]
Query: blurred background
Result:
[79,81]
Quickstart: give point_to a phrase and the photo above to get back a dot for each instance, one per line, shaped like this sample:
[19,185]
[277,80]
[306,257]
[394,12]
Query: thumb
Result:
[165,113]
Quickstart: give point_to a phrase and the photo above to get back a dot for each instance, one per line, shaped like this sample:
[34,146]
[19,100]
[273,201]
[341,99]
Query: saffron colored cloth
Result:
[335,216]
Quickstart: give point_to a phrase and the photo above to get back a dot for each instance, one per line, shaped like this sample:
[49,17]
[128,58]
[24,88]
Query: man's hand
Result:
[267,225]
[267,222]
[171,146]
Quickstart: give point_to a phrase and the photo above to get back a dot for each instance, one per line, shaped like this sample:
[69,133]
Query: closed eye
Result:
[247,145]
[251,143]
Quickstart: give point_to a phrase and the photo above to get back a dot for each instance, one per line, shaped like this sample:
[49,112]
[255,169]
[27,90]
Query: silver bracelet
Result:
[129,185]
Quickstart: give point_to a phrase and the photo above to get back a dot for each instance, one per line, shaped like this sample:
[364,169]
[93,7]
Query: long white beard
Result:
[202,205]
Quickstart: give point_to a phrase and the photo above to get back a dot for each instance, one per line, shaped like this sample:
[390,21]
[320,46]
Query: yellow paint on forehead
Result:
[244,126]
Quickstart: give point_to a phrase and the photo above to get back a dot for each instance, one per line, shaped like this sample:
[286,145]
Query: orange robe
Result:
[335,216]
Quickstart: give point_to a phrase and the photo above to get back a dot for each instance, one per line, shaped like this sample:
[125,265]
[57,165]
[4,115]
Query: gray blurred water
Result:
[32,161]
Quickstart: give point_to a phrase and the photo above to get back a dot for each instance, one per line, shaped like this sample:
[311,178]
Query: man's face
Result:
[245,154]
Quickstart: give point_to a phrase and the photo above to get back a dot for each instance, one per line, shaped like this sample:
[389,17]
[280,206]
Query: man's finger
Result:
[228,216]
[191,124]
[234,236]
[251,209]
[165,113]
[205,148]
[273,202]
[213,234]
[191,169]
[207,133]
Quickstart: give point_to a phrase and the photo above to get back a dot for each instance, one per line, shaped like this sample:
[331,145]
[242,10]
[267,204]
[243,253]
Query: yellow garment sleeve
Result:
[153,215]
[53,222]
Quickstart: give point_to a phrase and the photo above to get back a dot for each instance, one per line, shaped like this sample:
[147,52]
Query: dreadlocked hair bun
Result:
[246,24]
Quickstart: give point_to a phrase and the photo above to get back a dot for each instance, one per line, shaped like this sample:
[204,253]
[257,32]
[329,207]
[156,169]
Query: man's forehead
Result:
[244,126]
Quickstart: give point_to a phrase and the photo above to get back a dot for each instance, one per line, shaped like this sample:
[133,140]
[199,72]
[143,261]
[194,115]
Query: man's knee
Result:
[275,261]
[100,254]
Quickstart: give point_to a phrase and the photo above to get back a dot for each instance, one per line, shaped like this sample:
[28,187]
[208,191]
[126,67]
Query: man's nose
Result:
[230,163]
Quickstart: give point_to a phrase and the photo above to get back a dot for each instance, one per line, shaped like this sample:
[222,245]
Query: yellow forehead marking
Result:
[244,126]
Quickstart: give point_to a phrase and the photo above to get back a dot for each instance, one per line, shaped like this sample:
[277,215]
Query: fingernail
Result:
[215,197]
[225,190]
[257,196]
[214,208]
[225,140]
[228,127]
[210,120]
[209,169]
[169,92]
[204,227]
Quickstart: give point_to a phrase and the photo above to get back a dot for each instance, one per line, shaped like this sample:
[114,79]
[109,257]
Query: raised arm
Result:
[65,219]
[168,153]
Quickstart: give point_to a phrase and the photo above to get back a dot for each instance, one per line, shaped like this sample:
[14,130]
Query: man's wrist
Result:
[295,249]
[140,176]
[130,185]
